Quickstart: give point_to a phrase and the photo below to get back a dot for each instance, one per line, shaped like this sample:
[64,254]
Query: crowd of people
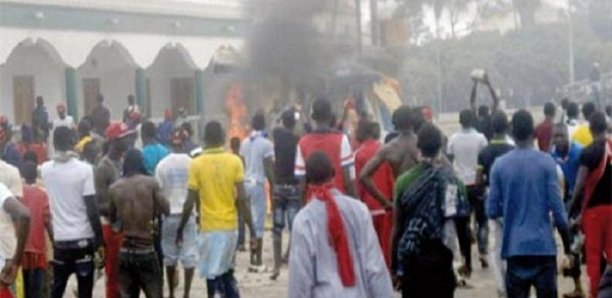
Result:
[366,218]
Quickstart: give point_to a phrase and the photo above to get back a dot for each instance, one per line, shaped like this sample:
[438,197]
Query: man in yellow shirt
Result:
[216,187]
[582,135]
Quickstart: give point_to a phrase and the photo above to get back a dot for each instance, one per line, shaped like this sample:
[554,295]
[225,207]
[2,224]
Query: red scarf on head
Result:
[337,234]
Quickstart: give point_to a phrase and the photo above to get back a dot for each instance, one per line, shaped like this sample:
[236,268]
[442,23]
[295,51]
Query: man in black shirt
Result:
[595,183]
[498,146]
[286,199]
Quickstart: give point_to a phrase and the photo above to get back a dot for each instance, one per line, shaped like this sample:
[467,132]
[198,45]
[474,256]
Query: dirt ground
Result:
[259,285]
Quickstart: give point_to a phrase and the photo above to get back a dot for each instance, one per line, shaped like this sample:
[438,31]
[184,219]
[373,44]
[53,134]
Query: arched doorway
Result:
[171,82]
[34,68]
[109,70]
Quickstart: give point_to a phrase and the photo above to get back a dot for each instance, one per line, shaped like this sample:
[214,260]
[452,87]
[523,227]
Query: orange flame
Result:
[237,111]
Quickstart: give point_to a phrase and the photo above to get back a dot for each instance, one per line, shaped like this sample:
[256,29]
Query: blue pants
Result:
[526,271]
[257,194]
[286,204]
[224,284]
[73,257]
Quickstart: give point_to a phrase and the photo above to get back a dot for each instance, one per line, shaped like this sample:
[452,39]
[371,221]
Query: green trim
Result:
[87,19]
[71,97]
[199,91]
[141,90]
[214,150]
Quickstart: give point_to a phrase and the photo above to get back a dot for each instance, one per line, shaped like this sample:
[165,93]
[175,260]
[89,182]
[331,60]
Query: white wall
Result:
[169,64]
[117,79]
[49,78]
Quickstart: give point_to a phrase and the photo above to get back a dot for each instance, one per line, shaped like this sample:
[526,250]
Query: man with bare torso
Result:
[136,202]
[401,153]
[106,173]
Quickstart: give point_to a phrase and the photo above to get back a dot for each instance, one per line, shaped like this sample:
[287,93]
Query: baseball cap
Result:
[117,130]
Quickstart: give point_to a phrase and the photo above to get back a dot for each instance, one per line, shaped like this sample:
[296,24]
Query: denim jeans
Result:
[526,271]
[73,257]
[259,204]
[33,281]
[139,271]
[286,205]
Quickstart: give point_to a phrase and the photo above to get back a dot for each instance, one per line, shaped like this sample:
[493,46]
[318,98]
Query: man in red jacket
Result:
[368,134]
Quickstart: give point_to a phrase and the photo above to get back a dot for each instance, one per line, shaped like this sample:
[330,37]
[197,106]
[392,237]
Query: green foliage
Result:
[528,66]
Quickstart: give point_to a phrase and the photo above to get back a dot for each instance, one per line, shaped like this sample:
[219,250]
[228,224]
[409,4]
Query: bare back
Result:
[401,153]
[136,202]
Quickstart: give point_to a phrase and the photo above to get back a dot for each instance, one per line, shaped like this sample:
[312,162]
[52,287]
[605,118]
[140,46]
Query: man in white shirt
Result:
[63,119]
[463,148]
[14,236]
[172,174]
[11,180]
[258,154]
[76,222]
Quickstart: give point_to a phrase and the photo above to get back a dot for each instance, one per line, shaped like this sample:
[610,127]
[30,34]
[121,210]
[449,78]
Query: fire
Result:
[236,110]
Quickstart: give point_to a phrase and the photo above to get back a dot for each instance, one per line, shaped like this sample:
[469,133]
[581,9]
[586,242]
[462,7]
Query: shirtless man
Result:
[401,153]
[106,173]
[136,202]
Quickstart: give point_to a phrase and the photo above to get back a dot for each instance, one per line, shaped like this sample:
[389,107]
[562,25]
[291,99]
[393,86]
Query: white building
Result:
[72,50]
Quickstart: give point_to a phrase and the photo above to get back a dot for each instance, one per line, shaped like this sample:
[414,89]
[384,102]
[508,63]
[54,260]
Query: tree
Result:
[526,10]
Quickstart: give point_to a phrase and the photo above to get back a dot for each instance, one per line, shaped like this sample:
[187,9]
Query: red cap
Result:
[117,130]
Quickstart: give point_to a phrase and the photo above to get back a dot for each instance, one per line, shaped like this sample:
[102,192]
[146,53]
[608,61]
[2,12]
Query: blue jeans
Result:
[73,257]
[286,204]
[225,285]
[526,271]
[257,194]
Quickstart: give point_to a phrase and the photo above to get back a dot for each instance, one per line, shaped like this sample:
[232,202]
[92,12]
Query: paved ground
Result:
[259,285]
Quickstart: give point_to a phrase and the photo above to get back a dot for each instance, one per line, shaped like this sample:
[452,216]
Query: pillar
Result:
[71,93]
[199,91]
[141,90]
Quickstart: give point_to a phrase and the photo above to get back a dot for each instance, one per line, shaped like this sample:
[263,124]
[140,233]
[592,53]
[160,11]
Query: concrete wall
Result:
[170,63]
[49,78]
[117,79]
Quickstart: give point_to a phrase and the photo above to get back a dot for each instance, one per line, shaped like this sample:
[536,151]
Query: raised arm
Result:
[473,96]
[366,178]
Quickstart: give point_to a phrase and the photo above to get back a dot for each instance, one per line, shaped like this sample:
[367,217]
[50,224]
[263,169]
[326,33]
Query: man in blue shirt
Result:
[567,155]
[152,151]
[524,190]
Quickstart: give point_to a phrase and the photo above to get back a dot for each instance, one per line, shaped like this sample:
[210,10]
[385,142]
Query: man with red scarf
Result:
[334,250]
[593,183]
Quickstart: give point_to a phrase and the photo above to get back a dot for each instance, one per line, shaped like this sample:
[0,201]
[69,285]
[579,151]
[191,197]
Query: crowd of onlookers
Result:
[138,199]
